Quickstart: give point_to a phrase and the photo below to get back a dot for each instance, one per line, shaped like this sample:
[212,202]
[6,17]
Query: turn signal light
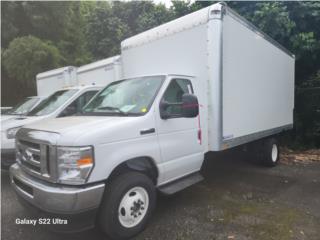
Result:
[85,161]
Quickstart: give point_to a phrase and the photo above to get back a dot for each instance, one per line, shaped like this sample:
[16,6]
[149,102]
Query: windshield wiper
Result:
[114,109]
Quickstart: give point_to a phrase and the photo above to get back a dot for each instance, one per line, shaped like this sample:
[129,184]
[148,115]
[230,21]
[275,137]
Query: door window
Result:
[77,105]
[173,94]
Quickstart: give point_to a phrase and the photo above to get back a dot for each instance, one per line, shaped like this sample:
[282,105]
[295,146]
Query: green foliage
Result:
[157,16]
[109,24]
[273,18]
[27,56]
[105,32]
[181,8]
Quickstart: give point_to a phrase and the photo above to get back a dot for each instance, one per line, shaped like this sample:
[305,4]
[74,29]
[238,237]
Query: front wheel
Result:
[128,203]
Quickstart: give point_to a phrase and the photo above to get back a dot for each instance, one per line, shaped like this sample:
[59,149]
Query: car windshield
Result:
[127,97]
[52,103]
[24,106]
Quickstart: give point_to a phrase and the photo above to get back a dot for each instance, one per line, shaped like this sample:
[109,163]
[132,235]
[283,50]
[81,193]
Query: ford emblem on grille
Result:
[27,156]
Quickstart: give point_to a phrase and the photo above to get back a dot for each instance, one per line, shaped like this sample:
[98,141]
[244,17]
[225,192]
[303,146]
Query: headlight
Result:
[74,164]
[11,132]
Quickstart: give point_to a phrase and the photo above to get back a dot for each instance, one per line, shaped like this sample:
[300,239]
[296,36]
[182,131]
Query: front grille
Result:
[30,144]
[34,158]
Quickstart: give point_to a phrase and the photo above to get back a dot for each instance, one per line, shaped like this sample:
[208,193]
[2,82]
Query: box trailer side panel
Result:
[99,76]
[257,82]
[101,72]
[46,86]
[53,80]
[179,48]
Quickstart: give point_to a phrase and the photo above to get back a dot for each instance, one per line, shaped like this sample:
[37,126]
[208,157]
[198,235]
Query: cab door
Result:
[179,137]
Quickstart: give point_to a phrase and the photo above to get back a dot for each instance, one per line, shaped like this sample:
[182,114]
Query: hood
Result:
[92,130]
[65,124]
[6,117]
[18,121]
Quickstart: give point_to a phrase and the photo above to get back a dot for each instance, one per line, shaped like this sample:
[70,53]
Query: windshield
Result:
[128,97]
[23,107]
[52,103]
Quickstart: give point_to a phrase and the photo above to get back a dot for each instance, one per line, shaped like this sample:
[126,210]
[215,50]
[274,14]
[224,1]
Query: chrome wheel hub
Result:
[274,153]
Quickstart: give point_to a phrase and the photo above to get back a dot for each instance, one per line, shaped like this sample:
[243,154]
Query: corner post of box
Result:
[215,68]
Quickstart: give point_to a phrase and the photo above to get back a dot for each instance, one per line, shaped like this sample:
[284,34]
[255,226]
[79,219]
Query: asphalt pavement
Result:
[237,200]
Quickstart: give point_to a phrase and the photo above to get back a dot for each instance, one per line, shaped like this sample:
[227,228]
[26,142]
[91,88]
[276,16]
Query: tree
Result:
[25,58]
[62,23]
[157,16]
[105,32]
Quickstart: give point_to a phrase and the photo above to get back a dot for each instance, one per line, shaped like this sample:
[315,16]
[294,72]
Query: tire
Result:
[121,205]
[270,152]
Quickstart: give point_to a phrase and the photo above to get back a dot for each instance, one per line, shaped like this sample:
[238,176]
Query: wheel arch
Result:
[144,164]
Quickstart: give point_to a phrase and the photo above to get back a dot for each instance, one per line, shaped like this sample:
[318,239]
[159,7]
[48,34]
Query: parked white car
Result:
[62,103]
[205,82]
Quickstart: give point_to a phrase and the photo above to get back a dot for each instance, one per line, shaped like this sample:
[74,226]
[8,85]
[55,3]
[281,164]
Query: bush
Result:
[25,58]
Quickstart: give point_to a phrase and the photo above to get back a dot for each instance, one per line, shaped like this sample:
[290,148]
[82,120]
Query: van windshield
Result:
[127,97]
[24,106]
[52,103]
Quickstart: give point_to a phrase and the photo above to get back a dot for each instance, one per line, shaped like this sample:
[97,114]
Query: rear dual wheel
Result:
[264,152]
[270,152]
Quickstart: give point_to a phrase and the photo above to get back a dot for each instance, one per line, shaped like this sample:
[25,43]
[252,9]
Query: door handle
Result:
[147,131]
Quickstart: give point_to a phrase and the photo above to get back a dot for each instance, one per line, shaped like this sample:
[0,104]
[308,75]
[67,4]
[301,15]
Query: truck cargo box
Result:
[246,79]
[53,80]
[101,72]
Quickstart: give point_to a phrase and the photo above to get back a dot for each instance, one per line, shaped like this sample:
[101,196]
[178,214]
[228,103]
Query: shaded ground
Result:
[237,200]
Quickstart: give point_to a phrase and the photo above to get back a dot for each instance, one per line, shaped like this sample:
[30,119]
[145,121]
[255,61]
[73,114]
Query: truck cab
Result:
[145,124]
[64,102]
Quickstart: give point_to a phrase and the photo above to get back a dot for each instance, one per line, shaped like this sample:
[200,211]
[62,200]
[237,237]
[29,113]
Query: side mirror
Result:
[163,107]
[190,105]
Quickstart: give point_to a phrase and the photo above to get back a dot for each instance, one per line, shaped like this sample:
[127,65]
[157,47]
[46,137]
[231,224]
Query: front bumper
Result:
[56,199]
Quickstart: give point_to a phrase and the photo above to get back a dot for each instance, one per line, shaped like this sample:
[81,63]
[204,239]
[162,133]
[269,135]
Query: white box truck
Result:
[204,82]
[50,81]
[100,72]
